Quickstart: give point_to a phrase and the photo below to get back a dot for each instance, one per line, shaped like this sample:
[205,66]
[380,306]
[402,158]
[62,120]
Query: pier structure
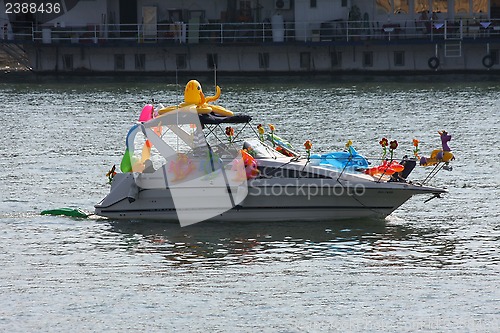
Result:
[255,36]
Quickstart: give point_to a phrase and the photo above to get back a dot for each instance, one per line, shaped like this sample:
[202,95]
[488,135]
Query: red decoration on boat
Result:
[250,165]
[386,168]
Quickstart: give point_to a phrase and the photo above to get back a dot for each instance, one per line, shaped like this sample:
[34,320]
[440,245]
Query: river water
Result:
[430,267]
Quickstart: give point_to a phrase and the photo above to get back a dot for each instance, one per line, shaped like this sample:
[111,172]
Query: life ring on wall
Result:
[488,61]
[433,62]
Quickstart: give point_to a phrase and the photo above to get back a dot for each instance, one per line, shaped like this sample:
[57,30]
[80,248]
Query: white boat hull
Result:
[279,200]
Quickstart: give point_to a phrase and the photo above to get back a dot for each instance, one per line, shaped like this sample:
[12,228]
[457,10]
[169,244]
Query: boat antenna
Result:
[215,71]
[215,77]
[177,82]
[176,75]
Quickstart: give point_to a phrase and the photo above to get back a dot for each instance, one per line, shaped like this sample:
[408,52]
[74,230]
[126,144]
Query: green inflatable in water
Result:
[65,211]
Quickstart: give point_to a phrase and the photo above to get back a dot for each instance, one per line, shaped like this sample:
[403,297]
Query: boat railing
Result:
[247,32]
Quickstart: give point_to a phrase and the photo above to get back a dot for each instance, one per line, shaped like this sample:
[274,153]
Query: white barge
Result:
[255,36]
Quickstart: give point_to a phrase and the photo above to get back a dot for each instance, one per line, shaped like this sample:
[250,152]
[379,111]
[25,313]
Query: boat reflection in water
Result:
[224,243]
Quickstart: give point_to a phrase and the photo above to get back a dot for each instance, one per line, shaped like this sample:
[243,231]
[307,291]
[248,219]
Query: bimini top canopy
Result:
[212,118]
[205,119]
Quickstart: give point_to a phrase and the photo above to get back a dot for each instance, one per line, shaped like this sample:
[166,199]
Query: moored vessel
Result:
[196,161]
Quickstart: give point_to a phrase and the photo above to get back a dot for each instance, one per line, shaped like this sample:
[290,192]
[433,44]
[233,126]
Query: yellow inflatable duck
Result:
[194,96]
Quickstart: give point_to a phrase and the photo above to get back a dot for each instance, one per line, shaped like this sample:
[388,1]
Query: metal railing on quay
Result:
[264,32]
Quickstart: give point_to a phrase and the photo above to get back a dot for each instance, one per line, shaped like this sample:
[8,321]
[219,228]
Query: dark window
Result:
[399,58]
[119,61]
[344,3]
[312,3]
[336,58]
[68,62]
[305,60]
[263,60]
[140,61]
[212,61]
[181,61]
[368,59]
[495,55]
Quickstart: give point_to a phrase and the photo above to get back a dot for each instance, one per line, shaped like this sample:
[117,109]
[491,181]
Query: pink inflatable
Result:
[146,113]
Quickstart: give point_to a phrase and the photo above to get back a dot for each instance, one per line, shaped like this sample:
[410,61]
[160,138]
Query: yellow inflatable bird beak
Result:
[193,93]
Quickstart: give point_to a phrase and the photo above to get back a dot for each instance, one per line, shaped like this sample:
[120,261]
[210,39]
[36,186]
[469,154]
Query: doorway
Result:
[128,18]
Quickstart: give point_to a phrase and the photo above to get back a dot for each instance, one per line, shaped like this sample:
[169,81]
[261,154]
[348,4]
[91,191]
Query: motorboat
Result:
[196,161]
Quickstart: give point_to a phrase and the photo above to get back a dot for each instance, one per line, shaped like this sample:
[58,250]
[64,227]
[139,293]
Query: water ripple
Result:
[65,274]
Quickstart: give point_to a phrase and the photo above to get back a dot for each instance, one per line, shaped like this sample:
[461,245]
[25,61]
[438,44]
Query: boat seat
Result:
[409,165]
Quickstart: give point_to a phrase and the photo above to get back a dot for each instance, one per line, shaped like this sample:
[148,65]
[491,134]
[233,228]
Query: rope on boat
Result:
[345,166]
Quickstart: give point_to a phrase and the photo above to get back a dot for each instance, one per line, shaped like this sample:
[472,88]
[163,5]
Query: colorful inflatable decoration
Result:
[194,97]
[384,143]
[386,168]
[146,149]
[342,160]
[111,174]
[65,211]
[261,130]
[128,159]
[281,145]
[308,145]
[131,163]
[416,150]
[439,155]
[211,166]
[238,166]
[251,167]
[392,147]
[126,163]
[284,151]
[181,167]
[230,134]
[147,113]
[246,167]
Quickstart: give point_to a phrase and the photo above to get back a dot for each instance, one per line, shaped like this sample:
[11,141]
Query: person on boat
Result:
[148,166]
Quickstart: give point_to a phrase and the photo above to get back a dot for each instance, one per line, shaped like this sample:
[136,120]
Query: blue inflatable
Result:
[341,160]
